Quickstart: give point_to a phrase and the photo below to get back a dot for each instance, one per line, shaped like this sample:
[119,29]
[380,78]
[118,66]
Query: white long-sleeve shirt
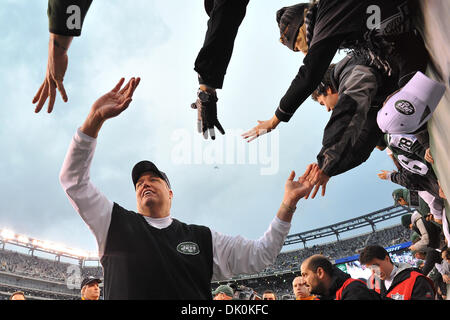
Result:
[232,255]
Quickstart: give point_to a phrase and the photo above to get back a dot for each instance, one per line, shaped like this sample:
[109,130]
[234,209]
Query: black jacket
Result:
[422,290]
[354,291]
[352,131]
[342,24]
[60,11]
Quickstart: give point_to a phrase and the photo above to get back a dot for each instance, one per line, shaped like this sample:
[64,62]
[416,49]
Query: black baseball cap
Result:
[90,279]
[147,166]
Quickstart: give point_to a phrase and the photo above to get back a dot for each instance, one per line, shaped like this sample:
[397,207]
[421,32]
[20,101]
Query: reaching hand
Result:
[384,175]
[206,104]
[262,128]
[295,190]
[108,106]
[114,102]
[56,69]
[317,178]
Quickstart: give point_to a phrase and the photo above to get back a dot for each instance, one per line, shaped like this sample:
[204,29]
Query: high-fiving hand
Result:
[109,105]
[262,128]
[294,190]
[56,69]
[317,178]
[117,100]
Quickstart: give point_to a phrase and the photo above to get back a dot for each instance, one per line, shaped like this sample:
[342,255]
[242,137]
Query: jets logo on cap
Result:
[189,248]
[405,107]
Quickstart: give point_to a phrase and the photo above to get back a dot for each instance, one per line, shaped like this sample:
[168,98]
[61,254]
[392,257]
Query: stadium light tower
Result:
[7,234]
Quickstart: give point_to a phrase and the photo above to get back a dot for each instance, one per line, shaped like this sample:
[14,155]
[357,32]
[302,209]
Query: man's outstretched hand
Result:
[262,128]
[56,69]
[109,106]
[317,178]
[294,190]
[384,174]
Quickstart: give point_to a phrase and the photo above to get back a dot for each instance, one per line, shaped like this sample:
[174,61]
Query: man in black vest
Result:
[148,254]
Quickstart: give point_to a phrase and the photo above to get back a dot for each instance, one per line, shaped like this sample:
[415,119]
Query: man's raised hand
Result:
[318,178]
[109,106]
[117,100]
[294,190]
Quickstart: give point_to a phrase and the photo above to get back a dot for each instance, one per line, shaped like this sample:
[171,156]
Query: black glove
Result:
[206,105]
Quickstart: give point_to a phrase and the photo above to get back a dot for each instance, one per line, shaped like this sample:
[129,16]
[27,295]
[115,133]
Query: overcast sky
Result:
[159,41]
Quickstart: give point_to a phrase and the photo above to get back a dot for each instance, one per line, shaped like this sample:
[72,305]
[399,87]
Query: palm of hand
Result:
[115,101]
[298,189]
[107,105]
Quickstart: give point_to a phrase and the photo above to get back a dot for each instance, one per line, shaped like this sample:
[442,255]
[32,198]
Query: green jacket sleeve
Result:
[66,17]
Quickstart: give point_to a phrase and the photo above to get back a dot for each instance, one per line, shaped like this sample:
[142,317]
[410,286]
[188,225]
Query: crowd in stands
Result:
[278,278]
[37,267]
[290,261]
[32,266]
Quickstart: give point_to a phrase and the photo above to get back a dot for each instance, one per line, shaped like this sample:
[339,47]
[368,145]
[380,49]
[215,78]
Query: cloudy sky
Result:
[224,184]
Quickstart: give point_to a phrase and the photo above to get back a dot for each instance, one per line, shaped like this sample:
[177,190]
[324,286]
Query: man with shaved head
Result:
[330,283]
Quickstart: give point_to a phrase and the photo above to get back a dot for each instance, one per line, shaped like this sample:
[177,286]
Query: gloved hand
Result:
[206,105]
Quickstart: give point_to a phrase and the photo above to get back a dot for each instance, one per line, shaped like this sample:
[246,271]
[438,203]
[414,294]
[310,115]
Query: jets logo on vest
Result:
[189,248]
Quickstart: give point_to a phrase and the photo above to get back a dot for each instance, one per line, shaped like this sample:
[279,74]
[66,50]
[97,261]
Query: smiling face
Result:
[153,196]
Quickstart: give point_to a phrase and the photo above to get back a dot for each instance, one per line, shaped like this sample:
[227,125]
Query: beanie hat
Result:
[224,289]
[209,4]
[291,18]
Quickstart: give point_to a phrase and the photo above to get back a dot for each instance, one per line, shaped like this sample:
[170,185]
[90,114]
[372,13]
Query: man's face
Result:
[313,281]
[91,291]
[402,202]
[381,268]
[152,190]
[299,288]
[222,296]
[329,101]
[269,296]
[301,43]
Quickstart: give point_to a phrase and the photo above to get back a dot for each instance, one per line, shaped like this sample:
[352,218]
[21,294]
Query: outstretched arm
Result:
[56,69]
[93,207]
[65,19]
[237,255]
